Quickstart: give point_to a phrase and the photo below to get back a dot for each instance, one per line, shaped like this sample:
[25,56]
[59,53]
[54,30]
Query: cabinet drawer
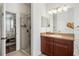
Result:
[62,41]
[48,48]
[46,39]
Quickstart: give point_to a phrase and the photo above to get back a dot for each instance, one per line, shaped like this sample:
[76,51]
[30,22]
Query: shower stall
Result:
[25,31]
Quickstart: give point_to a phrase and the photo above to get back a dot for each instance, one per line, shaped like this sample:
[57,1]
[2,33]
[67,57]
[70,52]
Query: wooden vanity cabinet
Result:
[56,47]
[63,47]
[46,45]
[10,45]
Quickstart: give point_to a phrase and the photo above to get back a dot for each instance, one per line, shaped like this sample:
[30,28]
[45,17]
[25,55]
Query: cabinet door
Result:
[42,44]
[60,49]
[52,46]
[70,48]
[46,45]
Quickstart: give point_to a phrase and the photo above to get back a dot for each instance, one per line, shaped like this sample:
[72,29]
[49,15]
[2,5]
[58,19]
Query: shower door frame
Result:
[20,34]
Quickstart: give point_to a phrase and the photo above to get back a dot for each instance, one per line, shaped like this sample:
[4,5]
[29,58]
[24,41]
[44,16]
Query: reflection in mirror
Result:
[63,22]
[10,24]
[10,32]
[60,22]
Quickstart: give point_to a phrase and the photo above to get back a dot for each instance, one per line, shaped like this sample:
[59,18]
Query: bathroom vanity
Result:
[10,45]
[57,44]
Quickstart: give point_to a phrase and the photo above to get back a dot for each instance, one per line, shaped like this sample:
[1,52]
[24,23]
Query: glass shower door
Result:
[25,33]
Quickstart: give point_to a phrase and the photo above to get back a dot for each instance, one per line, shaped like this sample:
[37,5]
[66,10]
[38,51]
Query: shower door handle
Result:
[27,30]
[3,38]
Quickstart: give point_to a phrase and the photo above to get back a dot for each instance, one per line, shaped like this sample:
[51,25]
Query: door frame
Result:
[20,32]
[2,38]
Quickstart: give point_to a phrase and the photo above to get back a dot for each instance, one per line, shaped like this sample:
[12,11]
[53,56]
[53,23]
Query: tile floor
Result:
[20,53]
[17,53]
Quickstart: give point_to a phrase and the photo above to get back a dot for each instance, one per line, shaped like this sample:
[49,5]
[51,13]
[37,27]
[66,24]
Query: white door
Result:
[2,32]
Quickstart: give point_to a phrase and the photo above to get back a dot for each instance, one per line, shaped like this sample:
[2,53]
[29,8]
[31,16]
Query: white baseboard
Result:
[36,53]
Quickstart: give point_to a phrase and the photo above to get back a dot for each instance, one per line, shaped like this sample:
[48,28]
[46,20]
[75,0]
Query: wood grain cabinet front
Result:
[63,47]
[56,47]
[60,49]
[46,45]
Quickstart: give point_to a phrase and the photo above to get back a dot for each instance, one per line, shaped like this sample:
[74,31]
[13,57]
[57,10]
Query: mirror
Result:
[63,22]
[10,25]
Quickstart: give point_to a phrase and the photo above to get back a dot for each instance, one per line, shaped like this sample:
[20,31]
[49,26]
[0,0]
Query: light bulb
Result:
[65,8]
[50,12]
[54,11]
[60,9]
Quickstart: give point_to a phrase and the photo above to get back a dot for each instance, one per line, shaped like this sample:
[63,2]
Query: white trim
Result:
[31,29]
[17,32]
[3,32]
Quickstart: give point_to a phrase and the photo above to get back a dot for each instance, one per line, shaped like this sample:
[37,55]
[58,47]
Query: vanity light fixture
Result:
[65,8]
[54,11]
[50,12]
[59,9]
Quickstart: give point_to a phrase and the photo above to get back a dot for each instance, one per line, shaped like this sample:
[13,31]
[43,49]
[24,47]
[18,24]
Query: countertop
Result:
[64,36]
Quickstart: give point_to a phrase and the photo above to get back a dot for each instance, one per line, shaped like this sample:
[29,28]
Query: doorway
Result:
[10,32]
[25,30]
